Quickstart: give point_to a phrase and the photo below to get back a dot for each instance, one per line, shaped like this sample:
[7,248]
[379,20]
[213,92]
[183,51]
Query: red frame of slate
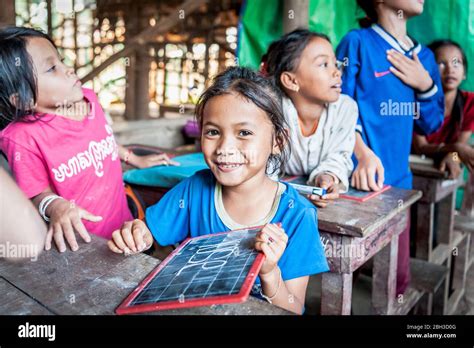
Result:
[366,198]
[240,297]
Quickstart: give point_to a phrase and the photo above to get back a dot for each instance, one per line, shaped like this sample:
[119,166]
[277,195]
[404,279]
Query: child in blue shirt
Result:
[396,84]
[244,133]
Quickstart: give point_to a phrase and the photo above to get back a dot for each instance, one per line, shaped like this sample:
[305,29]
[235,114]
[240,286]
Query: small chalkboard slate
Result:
[362,196]
[206,270]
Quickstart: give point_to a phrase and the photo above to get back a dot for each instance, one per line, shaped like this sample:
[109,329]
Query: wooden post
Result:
[384,278]
[142,83]
[336,294]
[7,14]
[295,15]
[424,230]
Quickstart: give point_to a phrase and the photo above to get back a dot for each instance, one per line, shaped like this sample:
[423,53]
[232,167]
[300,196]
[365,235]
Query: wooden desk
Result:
[354,232]
[149,194]
[92,280]
[434,220]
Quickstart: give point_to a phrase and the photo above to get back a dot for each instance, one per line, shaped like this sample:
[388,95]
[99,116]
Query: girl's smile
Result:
[236,139]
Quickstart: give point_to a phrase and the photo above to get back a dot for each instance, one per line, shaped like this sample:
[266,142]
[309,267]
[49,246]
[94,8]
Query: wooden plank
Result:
[93,280]
[454,300]
[361,219]
[427,276]
[362,249]
[435,189]
[464,223]
[295,15]
[424,230]
[419,169]
[384,278]
[14,302]
[7,14]
[460,260]
[440,254]
[332,244]
[410,298]
[446,219]
[336,294]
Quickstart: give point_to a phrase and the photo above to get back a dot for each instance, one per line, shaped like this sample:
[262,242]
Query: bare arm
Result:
[461,149]
[20,222]
[144,161]
[289,295]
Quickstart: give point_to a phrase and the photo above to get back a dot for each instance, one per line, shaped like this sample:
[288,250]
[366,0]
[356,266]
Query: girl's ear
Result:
[288,80]
[14,99]
[280,141]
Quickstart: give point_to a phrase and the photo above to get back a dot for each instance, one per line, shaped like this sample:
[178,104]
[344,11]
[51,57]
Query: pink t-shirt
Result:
[77,159]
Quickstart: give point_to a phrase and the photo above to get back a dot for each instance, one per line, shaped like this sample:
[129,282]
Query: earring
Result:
[296,89]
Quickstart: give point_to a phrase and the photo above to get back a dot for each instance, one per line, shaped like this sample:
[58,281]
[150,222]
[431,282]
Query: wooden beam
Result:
[295,15]
[7,14]
[163,25]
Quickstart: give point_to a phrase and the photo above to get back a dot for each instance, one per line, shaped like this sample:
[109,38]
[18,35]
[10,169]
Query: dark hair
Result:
[457,114]
[17,74]
[263,93]
[371,16]
[285,53]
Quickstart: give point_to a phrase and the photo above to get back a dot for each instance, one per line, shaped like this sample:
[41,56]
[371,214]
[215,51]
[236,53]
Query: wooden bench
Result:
[429,279]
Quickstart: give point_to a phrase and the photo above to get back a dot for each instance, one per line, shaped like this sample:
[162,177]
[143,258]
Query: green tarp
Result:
[261,23]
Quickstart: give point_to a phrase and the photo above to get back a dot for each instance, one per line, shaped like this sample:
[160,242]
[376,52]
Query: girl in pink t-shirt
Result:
[59,146]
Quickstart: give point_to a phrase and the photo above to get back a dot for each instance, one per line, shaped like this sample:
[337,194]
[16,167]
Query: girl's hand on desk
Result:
[451,163]
[65,220]
[363,177]
[152,160]
[466,155]
[272,240]
[327,182]
[132,238]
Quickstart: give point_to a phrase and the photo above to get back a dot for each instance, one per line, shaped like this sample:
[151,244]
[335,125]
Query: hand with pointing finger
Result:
[65,221]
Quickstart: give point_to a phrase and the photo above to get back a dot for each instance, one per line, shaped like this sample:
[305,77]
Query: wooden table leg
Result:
[384,280]
[336,294]
[424,230]
[446,219]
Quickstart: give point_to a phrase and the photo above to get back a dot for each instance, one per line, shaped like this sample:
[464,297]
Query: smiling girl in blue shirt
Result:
[243,134]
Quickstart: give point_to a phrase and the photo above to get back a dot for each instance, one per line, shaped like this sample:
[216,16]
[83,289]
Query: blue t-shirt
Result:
[189,210]
[389,109]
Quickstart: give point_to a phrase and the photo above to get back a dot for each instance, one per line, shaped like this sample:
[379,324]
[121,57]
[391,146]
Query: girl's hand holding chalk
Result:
[325,181]
[271,240]
[65,221]
[132,238]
